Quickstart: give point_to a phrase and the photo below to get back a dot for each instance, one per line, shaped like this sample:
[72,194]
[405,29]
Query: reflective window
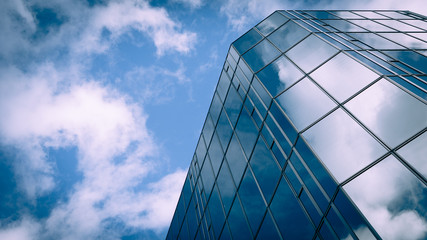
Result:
[247,132]
[215,210]
[338,225]
[286,36]
[372,26]
[405,40]
[232,105]
[369,14]
[268,230]
[247,41]
[215,108]
[346,14]
[411,58]
[224,129]
[398,25]
[290,175]
[417,23]
[310,53]
[251,200]
[343,145]
[304,103]
[321,14]
[237,222]
[293,223]
[265,169]
[375,41]
[310,207]
[201,149]
[392,114]
[279,75]
[226,186]
[208,129]
[392,199]
[223,84]
[215,153]
[344,26]
[284,123]
[415,153]
[236,160]
[260,55]
[207,176]
[395,15]
[271,23]
[342,76]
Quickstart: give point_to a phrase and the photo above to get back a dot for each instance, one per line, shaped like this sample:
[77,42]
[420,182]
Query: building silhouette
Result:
[317,130]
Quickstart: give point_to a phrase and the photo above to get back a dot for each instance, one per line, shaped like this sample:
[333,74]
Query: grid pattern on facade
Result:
[317,130]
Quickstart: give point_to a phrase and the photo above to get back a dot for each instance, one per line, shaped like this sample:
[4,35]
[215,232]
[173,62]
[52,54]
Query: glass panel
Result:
[226,186]
[237,222]
[310,208]
[290,175]
[392,114]
[252,202]
[224,130]
[413,59]
[286,36]
[304,103]
[417,23]
[411,87]
[271,23]
[215,153]
[415,152]
[215,209]
[293,223]
[232,105]
[279,75]
[327,233]
[215,108]
[268,230]
[344,26]
[236,160]
[398,25]
[337,224]
[321,14]
[247,132]
[201,149]
[392,199]
[310,53]
[346,14]
[395,15]
[369,14]
[265,169]
[372,26]
[260,55]
[284,124]
[247,41]
[208,129]
[343,145]
[405,40]
[207,176]
[375,41]
[223,84]
[342,76]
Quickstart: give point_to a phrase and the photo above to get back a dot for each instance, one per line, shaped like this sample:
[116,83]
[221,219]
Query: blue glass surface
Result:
[262,54]
[247,132]
[292,178]
[283,122]
[271,23]
[411,58]
[216,212]
[417,91]
[326,232]
[232,105]
[268,230]
[201,150]
[215,153]
[286,146]
[207,176]
[215,108]
[251,199]
[240,76]
[226,186]
[288,35]
[237,222]
[279,75]
[247,41]
[344,26]
[293,223]
[321,14]
[337,224]
[310,208]
[265,97]
[224,83]
[236,159]
[265,169]
[224,129]
[208,129]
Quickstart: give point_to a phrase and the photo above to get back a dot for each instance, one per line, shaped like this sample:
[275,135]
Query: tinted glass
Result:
[226,186]
[389,112]
[232,105]
[415,153]
[411,58]
[304,103]
[375,41]
[216,213]
[279,75]
[271,23]
[237,222]
[310,53]
[247,41]
[215,153]
[378,190]
[224,129]
[268,230]
[288,35]
[247,132]
[236,159]
[260,55]
[342,76]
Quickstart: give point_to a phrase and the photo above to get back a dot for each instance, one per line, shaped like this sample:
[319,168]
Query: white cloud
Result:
[193,4]
[24,229]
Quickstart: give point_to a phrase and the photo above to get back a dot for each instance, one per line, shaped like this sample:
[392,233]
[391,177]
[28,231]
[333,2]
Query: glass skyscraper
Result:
[317,130]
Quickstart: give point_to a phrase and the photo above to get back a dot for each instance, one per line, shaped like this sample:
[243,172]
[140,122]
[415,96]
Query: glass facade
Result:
[317,130]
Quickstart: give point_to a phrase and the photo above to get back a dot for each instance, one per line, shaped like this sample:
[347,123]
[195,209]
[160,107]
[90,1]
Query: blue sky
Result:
[102,103]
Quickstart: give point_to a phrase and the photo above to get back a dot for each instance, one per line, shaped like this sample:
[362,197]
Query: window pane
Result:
[207,176]
[415,152]
[232,105]
[304,103]
[343,146]
[286,36]
[392,199]
[342,76]
[279,75]
[252,202]
[310,53]
[271,23]
[375,41]
[411,58]
[247,132]
[260,55]
[215,153]
[223,84]
[237,222]
[265,169]
[224,130]
[226,186]
[236,160]
[293,223]
[372,26]
[392,114]
[215,209]
[344,26]
[398,25]
[247,41]
[268,230]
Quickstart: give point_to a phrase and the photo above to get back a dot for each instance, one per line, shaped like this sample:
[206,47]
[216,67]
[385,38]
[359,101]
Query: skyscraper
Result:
[317,130]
